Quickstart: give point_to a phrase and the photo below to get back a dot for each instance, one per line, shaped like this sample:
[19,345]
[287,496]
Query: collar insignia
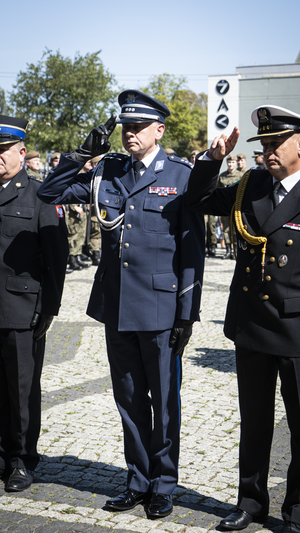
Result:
[159,165]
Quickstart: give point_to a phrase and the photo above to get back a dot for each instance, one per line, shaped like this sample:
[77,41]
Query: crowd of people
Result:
[150,206]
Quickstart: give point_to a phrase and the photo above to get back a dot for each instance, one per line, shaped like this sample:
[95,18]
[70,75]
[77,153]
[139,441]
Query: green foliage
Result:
[63,99]
[4,107]
[186,128]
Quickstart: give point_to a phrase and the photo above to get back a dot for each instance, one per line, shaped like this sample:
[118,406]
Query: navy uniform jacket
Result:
[261,315]
[33,254]
[158,276]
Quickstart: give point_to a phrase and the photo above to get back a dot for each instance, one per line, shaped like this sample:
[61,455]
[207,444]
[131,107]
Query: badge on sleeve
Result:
[103,213]
[60,211]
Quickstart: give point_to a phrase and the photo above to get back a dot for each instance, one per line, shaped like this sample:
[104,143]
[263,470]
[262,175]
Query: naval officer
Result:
[147,287]
[263,312]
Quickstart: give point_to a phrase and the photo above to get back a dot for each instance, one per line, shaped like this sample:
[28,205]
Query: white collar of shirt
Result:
[4,185]
[287,184]
[148,159]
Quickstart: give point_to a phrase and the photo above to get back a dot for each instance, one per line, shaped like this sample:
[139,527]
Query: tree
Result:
[4,108]
[63,99]
[186,128]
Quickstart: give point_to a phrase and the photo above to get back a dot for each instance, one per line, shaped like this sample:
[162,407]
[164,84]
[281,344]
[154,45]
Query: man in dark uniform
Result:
[263,312]
[33,253]
[147,287]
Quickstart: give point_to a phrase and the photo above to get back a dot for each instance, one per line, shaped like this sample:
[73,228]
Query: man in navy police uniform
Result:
[263,312]
[33,256]
[147,287]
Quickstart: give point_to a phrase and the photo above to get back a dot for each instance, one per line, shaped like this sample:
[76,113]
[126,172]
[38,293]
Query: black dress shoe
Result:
[160,505]
[239,520]
[20,479]
[127,500]
[290,527]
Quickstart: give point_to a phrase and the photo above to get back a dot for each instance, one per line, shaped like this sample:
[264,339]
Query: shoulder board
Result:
[176,159]
[115,155]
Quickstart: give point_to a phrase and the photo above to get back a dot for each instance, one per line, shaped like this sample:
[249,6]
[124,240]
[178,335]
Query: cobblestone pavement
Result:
[81,443]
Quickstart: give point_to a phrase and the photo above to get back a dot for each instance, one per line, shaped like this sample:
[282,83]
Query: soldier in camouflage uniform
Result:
[32,165]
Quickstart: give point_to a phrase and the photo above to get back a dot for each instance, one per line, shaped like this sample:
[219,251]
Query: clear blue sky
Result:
[140,39]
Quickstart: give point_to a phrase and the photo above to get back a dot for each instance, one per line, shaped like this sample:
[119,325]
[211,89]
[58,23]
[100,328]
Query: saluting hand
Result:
[97,142]
[223,145]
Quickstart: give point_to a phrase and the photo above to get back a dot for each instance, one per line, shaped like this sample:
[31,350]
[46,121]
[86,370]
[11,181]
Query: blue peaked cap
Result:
[139,107]
[12,130]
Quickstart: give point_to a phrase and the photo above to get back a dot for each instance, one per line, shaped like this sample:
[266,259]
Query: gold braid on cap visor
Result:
[236,209]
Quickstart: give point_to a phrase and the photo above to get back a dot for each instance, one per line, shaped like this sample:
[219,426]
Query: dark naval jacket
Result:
[262,315]
[151,266]
[33,254]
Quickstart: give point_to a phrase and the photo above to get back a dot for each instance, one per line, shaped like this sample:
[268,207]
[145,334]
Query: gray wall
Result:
[281,91]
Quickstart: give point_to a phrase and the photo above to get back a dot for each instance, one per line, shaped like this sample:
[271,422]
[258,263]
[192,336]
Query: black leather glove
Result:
[180,335]
[96,143]
[40,323]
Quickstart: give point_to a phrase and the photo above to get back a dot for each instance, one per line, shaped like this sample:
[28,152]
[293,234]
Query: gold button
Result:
[131,207]
[247,269]
[272,259]
[289,242]
[126,245]
[245,288]
[125,265]
[107,201]
[173,286]
[266,297]
[128,226]
[245,227]
[268,278]
[252,251]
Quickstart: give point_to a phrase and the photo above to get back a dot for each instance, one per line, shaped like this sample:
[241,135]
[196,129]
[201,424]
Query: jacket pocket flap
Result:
[159,204]
[291,305]
[20,284]
[165,282]
[18,211]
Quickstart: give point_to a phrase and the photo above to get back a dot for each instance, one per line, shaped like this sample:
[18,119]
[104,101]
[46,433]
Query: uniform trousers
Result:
[146,378]
[21,361]
[257,375]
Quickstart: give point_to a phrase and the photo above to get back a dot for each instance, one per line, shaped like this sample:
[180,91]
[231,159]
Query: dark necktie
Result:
[137,167]
[276,188]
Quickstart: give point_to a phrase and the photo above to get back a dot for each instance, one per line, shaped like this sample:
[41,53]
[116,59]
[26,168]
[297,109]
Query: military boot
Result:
[212,250]
[228,252]
[82,263]
[73,263]
[96,257]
